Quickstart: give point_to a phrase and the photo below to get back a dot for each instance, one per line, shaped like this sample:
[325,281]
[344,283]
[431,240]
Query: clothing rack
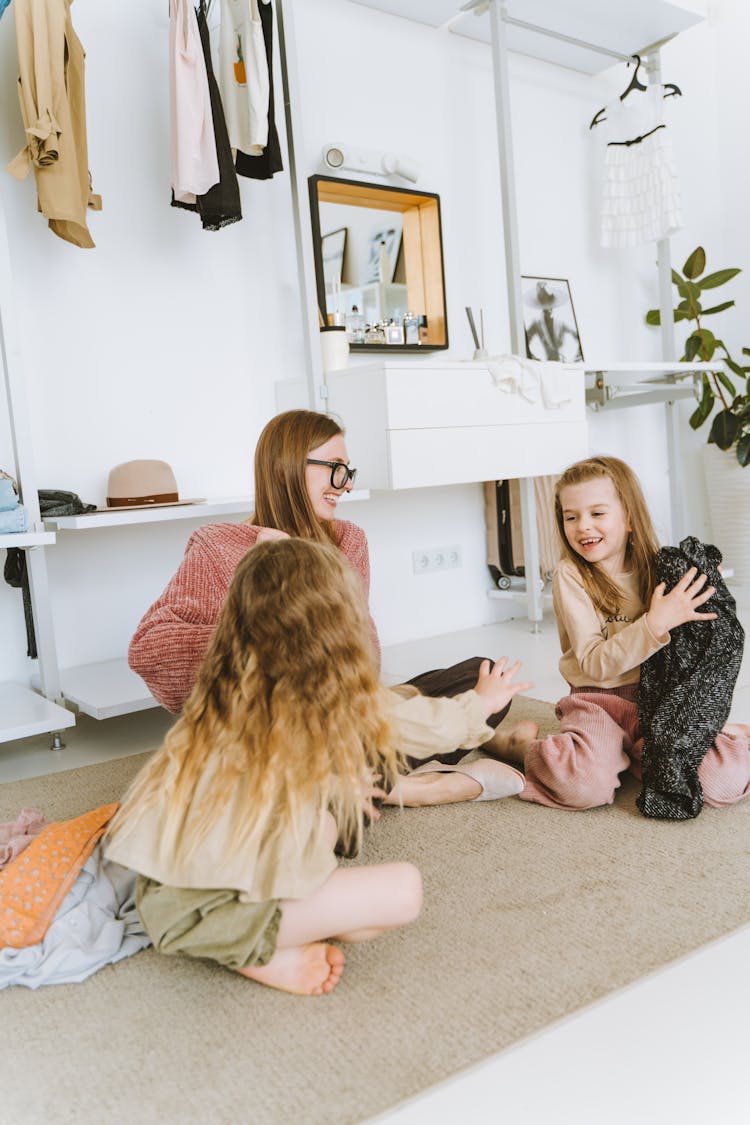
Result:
[499,19]
[22,711]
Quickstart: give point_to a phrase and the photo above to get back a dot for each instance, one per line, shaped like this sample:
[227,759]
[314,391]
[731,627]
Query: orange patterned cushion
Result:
[34,884]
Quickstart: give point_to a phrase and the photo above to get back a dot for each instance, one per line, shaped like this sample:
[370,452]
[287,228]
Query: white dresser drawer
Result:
[423,424]
[464,394]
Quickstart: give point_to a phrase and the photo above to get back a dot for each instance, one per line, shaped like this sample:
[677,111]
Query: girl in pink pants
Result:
[612,616]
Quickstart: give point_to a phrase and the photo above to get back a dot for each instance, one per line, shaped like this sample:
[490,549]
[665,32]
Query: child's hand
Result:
[268,534]
[372,791]
[495,687]
[681,604]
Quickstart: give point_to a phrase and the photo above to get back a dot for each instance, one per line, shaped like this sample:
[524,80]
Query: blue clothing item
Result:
[96,924]
[3,5]
[8,498]
[15,520]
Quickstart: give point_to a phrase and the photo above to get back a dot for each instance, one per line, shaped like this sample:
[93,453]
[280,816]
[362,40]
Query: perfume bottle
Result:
[355,326]
[394,333]
[374,334]
[411,328]
[424,332]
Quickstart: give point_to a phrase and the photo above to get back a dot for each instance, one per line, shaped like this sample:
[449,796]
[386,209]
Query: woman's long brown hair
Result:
[287,705]
[642,545]
[281,497]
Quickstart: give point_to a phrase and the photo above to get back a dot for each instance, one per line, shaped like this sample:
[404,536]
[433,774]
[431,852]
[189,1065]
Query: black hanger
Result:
[635,84]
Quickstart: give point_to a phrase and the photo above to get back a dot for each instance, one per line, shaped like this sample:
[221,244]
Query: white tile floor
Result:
[673,1048]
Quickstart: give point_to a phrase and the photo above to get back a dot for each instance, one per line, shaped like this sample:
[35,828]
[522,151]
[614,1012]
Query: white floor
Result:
[673,1048]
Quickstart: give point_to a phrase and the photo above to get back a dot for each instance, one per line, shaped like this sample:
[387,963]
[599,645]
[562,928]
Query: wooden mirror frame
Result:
[422,242]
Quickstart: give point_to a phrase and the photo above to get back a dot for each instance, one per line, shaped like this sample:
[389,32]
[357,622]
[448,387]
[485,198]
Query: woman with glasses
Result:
[301,472]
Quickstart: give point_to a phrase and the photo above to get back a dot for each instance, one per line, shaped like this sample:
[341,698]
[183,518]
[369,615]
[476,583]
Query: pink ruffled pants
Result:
[580,767]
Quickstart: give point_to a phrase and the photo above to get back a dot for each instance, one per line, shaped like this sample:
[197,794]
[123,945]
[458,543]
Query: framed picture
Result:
[550,320]
[334,248]
[384,248]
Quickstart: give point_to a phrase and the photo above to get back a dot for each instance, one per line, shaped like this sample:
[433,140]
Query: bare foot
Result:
[308,970]
[511,744]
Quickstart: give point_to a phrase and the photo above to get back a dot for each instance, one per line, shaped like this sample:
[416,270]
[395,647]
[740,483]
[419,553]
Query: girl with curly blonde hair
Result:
[232,826]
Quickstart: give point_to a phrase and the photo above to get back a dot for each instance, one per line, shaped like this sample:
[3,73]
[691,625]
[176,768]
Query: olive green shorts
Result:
[212,924]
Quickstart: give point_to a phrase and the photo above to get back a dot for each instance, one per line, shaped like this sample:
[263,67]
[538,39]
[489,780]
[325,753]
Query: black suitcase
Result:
[502,499]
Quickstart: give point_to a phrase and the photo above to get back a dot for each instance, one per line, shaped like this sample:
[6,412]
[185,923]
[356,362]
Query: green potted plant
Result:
[725,399]
[730,426]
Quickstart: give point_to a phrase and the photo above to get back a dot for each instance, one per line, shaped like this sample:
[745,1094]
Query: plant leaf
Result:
[704,407]
[724,429]
[653,316]
[743,450]
[696,263]
[692,347]
[708,343]
[688,289]
[734,367]
[714,280]
[676,278]
[726,382]
[717,308]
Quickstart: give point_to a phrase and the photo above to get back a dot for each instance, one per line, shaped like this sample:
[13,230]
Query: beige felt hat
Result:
[143,484]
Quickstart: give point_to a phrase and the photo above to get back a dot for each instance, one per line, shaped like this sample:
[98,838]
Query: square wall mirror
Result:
[379,264]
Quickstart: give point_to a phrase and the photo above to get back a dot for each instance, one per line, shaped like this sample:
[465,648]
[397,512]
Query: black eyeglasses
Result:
[341,474]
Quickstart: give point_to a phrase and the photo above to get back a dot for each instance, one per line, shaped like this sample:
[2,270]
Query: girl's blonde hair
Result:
[642,545]
[288,705]
[281,497]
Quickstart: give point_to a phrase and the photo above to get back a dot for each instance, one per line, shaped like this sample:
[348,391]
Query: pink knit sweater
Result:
[174,635]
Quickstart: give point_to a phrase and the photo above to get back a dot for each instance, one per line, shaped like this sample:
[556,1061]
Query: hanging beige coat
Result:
[51,92]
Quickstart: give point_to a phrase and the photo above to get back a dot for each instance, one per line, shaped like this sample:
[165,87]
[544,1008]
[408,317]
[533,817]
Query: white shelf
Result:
[126,517]
[618,385]
[681,369]
[121,517]
[619,29]
[27,539]
[23,713]
[105,690]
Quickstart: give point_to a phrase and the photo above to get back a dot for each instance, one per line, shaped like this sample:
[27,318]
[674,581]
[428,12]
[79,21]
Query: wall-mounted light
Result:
[339,156]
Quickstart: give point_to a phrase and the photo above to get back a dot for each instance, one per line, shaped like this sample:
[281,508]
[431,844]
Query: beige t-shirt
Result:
[600,650]
[296,865]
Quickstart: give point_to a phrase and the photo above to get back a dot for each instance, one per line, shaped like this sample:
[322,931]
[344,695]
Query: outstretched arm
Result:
[174,634]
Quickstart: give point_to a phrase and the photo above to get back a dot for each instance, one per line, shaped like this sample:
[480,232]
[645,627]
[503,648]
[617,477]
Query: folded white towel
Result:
[529,378]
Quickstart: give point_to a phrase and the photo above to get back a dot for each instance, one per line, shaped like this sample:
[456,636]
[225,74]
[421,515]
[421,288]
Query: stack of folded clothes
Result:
[13,516]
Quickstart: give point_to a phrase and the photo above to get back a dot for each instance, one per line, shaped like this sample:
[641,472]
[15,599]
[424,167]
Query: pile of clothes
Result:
[64,911]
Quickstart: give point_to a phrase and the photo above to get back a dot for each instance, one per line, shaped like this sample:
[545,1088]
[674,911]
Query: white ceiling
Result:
[624,26]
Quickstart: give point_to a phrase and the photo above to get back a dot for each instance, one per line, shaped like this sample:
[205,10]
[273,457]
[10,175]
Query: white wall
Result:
[166,341]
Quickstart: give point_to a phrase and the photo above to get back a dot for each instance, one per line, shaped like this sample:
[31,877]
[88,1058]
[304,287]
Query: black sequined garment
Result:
[686,689]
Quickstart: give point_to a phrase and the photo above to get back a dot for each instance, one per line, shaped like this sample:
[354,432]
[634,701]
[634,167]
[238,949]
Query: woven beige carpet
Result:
[529,914]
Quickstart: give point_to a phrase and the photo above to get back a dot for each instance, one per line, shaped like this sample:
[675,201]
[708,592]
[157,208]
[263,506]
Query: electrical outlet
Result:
[428,560]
